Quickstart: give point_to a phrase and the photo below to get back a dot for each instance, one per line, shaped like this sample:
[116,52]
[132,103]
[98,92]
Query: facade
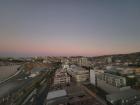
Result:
[92,77]
[78,74]
[111,83]
[83,61]
[74,60]
[109,60]
[114,80]
[93,74]
[65,65]
[137,71]
[61,77]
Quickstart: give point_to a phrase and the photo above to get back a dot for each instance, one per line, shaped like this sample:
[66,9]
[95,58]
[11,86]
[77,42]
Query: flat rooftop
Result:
[123,94]
[56,94]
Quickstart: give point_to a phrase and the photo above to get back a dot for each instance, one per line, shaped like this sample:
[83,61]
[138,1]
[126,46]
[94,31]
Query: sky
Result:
[69,27]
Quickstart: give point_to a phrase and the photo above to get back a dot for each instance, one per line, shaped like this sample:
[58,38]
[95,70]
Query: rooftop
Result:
[56,94]
[123,94]
[77,70]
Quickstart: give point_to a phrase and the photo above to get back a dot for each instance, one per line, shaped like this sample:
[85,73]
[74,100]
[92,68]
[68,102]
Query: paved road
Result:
[13,84]
[39,98]
[7,71]
[9,90]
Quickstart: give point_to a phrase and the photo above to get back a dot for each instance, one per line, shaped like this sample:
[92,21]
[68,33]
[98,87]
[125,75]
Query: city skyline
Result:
[69,27]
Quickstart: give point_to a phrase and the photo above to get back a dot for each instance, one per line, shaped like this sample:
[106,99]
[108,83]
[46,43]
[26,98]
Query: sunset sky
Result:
[69,27]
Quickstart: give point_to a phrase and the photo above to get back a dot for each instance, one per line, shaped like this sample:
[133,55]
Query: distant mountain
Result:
[131,56]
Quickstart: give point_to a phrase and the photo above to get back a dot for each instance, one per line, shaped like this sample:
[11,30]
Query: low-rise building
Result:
[137,71]
[61,77]
[58,97]
[126,97]
[78,74]
[114,80]
[111,83]
[83,61]
[93,74]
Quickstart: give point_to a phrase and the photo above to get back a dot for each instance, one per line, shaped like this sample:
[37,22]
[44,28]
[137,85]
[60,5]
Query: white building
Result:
[93,74]
[65,65]
[92,77]
[111,83]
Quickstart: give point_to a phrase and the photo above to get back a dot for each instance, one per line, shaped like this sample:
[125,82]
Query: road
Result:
[18,90]
[41,93]
[7,71]
[12,85]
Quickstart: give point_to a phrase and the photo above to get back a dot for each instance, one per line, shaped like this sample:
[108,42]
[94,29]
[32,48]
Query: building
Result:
[93,74]
[111,83]
[109,60]
[137,71]
[78,74]
[83,61]
[61,77]
[114,80]
[58,97]
[126,97]
[92,77]
[65,65]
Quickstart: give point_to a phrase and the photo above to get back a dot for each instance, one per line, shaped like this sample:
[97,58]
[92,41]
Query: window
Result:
[122,101]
